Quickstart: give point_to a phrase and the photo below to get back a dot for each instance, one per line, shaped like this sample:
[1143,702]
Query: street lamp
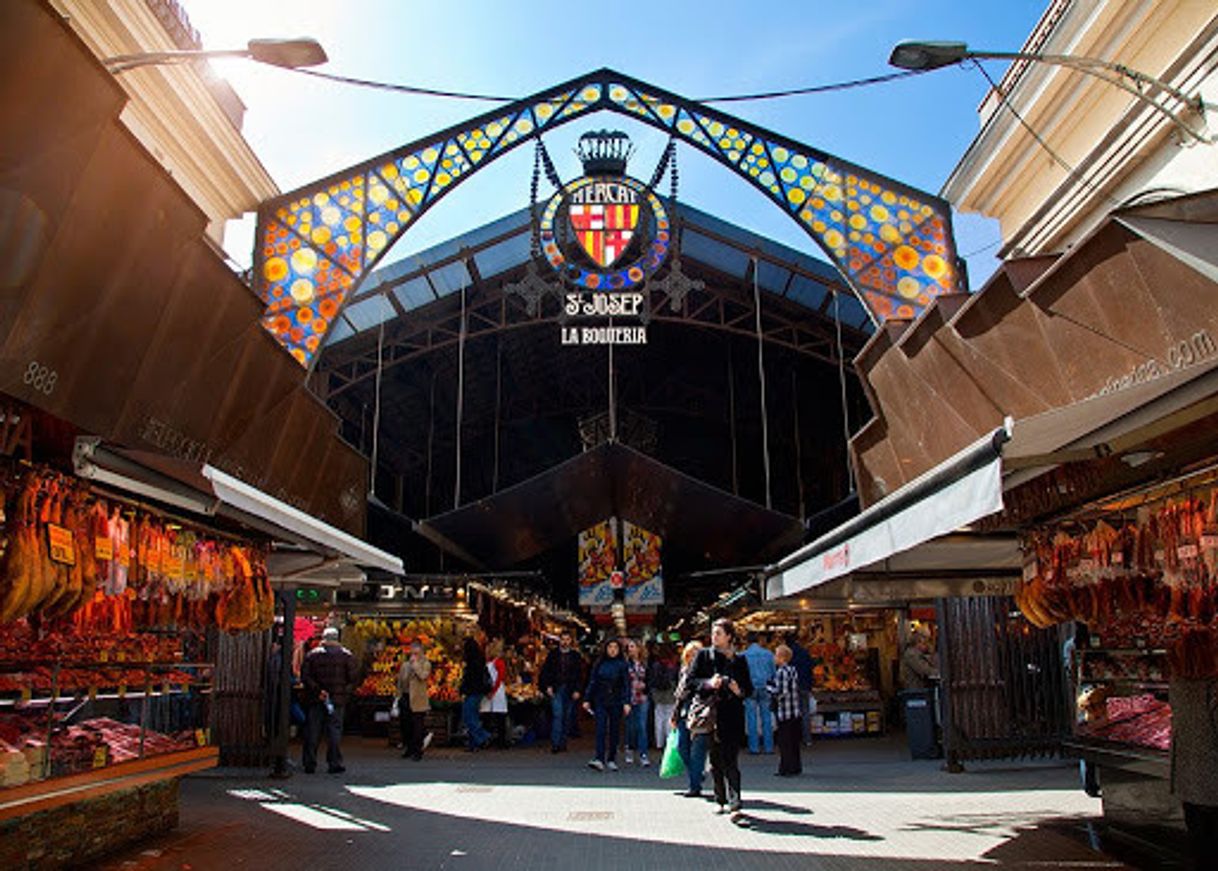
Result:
[925,56]
[287,53]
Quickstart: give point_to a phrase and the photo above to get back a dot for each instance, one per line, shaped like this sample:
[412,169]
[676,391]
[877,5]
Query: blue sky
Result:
[914,130]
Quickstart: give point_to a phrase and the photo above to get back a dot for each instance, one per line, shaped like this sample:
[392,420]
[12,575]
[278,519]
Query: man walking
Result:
[561,677]
[757,715]
[328,674]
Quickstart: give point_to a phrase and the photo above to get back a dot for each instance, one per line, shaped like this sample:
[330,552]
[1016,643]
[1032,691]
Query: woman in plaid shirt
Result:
[784,696]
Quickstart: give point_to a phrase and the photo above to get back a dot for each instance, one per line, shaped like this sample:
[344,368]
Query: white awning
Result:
[957,492]
[209,492]
[235,492]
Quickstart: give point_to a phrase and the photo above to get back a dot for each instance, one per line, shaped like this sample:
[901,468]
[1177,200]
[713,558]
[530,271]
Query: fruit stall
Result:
[384,644]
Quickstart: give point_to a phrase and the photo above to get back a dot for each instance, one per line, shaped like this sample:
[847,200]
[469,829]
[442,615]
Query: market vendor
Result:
[919,665]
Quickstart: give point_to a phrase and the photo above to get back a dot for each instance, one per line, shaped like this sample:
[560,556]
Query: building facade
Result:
[187,117]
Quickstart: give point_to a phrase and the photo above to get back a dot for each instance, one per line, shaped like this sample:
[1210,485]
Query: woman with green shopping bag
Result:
[694,758]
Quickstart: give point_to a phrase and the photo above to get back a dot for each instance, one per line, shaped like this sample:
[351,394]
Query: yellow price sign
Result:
[201,737]
[103,548]
[26,694]
[93,693]
[99,757]
[122,691]
[62,544]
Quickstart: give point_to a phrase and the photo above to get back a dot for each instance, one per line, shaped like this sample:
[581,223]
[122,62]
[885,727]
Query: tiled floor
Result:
[860,804]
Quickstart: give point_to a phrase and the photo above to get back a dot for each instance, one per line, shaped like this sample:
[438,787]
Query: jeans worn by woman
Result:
[478,737]
[636,727]
[696,749]
[608,729]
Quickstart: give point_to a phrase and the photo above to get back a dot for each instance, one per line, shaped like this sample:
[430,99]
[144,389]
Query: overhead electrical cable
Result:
[497,98]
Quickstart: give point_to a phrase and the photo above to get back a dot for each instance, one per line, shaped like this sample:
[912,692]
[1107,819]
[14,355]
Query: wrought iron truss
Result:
[724,305]
[315,245]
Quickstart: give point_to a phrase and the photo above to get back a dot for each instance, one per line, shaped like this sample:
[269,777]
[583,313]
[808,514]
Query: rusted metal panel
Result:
[133,328]
[1004,682]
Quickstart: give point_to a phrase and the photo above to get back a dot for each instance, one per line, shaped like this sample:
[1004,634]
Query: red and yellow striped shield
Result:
[604,231]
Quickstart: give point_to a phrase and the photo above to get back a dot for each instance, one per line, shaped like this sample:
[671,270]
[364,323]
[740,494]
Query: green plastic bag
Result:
[671,765]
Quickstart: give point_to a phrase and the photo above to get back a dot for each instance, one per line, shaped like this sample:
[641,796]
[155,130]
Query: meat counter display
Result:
[104,610]
[1123,696]
[72,704]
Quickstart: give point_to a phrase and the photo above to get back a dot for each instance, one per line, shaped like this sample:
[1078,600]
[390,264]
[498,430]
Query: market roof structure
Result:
[315,246]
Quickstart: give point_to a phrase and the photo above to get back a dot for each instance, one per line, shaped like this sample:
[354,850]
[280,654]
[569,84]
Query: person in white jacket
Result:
[495,702]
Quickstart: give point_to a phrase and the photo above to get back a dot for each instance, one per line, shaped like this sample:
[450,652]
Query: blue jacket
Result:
[761,665]
[608,683]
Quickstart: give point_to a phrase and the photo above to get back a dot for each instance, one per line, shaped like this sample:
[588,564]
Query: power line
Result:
[815,89]
[1071,171]
[975,251]
[419,91]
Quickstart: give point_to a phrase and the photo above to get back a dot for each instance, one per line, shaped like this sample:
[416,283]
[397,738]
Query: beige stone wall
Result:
[188,120]
[1120,148]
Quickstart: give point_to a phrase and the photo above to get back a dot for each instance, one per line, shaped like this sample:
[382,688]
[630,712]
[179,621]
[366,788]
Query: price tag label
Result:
[124,555]
[103,548]
[99,757]
[201,737]
[173,567]
[103,655]
[93,693]
[26,694]
[120,655]
[63,546]
[122,691]
[1187,551]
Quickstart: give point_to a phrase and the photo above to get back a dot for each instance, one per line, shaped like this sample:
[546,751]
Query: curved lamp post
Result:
[916,55]
[287,53]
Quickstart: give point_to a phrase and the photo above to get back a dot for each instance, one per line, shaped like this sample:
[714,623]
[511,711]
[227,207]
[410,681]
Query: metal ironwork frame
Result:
[316,245]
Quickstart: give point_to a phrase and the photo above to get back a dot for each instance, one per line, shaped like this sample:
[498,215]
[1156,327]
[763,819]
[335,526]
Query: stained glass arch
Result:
[314,245]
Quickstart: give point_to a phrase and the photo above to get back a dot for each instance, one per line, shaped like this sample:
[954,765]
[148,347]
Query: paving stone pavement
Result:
[860,804]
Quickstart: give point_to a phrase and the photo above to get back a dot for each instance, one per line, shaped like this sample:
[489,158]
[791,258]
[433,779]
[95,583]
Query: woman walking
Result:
[721,684]
[413,702]
[607,699]
[694,758]
[474,684]
[784,695]
[636,720]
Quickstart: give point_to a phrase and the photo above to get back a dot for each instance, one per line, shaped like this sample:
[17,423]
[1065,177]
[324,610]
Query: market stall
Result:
[1137,572]
[106,670]
[854,658]
[441,613]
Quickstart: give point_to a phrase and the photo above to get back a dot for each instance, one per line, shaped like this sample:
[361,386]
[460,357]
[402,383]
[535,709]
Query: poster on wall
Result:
[597,561]
[644,573]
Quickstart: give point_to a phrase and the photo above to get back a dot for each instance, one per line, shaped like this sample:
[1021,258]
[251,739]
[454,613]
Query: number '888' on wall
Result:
[41,378]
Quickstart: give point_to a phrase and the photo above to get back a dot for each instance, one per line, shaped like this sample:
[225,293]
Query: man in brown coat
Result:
[413,702]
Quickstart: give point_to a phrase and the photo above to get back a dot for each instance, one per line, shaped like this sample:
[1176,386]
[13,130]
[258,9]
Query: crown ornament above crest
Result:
[604,152]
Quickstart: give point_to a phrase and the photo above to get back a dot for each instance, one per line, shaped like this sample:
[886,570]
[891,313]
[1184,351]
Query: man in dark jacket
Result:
[562,677]
[721,676]
[328,674]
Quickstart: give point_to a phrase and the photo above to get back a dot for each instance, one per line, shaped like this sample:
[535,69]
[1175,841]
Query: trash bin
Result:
[918,706]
